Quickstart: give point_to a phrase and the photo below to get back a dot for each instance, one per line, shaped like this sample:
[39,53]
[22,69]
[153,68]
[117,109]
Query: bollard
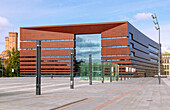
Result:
[90,69]
[124,74]
[121,72]
[116,70]
[111,71]
[11,72]
[102,75]
[71,72]
[38,68]
[116,77]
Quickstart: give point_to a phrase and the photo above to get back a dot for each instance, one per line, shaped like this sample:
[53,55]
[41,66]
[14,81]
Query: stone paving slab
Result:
[132,94]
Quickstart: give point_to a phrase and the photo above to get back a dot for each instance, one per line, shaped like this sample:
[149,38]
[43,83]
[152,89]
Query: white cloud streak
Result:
[4,24]
[137,17]
[5,27]
[143,16]
[164,35]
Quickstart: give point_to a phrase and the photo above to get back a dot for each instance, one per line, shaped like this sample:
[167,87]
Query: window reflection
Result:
[88,44]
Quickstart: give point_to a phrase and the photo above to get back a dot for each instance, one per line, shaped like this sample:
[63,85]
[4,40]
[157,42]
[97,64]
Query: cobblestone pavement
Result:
[132,94]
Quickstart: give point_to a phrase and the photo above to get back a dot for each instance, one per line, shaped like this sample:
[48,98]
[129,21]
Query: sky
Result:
[22,13]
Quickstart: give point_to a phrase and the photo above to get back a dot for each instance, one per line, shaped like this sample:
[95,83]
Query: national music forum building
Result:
[116,42]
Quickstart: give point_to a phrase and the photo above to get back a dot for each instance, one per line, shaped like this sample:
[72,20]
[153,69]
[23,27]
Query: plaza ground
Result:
[132,94]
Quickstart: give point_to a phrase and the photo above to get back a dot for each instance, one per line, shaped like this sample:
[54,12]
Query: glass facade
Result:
[97,71]
[153,49]
[88,44]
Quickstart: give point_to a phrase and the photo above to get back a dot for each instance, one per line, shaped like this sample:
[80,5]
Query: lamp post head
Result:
[157,28]
[153,16]
[155,22]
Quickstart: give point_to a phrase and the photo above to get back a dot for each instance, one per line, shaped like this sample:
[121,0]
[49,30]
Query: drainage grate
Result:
[149,100]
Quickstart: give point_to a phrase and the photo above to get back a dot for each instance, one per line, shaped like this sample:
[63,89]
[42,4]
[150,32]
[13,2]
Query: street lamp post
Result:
[158,28]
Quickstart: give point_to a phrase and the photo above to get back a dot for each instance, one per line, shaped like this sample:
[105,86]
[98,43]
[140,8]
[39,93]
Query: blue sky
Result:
[20,13]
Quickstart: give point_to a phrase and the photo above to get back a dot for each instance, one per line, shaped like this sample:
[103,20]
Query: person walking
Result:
[51,76]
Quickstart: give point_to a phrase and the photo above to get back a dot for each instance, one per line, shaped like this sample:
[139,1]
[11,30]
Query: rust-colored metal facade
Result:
[120,43]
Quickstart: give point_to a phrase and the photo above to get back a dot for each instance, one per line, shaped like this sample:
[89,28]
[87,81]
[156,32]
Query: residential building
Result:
[166,63]
[10,42]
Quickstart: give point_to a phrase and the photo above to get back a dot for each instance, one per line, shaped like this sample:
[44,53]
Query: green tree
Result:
[0,67]
[12,62]
[8,53]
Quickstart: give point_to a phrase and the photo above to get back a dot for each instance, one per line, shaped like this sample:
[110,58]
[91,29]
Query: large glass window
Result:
[88,44]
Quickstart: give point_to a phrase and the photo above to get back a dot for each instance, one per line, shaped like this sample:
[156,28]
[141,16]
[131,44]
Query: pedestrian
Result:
[51,76]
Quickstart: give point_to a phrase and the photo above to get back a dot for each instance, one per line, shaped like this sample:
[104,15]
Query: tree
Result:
[12,62]
[0,68]
[8,53]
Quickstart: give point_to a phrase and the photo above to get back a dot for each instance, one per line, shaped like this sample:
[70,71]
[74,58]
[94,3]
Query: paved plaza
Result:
[132,94]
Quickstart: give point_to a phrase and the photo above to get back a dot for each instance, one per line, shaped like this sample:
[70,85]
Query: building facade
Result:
[166,63]
[116,42]
[10,42]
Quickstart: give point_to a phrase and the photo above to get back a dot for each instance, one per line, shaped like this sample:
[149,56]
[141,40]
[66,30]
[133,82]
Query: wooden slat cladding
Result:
[117,31]
[49,44]
[59,52]
[115,51]
[78,28]
[45,62]
[114,42]
[121,57]
[27,34]
[26,59]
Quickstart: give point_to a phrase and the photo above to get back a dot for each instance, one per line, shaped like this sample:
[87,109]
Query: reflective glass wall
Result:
[88,44]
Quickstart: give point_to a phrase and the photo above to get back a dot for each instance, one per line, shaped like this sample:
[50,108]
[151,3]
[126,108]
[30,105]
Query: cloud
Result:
[124,18]
[137,17]
[165,49]
[143,16]
[4,24]
[150,30]
[152,33]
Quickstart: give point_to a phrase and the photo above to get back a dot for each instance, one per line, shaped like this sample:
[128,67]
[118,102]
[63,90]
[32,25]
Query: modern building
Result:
[10,42]
[116,42]
[166,63]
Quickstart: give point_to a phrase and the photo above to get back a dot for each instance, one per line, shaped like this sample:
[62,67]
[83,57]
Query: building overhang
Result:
[78,28]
